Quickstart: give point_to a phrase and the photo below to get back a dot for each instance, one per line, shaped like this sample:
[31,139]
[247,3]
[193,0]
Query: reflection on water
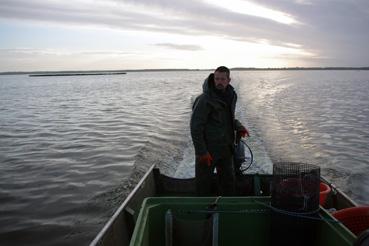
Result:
[68,144]
[319,117]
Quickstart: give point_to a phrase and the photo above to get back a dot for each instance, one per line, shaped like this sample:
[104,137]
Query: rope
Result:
[251,157]
[304,215]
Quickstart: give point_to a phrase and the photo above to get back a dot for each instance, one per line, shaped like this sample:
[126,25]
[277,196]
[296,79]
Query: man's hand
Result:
[243,132]
[205,159]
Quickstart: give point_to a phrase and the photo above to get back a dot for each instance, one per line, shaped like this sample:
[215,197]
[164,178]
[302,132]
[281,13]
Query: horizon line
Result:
[185,69]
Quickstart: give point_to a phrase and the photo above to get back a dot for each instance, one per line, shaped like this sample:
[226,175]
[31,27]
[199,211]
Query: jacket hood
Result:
[208,87]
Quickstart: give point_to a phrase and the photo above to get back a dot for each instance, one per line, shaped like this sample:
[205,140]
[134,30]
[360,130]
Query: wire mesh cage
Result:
[295,199]
[295,187]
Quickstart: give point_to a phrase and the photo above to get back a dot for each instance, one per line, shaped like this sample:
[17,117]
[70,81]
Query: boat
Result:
[154,185]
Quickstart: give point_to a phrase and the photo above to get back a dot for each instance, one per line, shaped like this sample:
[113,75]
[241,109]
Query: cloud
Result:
[182,17]
[334,28]
[253,9]
[65,52]
[30,59]
[188,47]
[304,2]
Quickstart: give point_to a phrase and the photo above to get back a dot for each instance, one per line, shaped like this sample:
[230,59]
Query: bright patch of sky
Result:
[129,34]
[253,9]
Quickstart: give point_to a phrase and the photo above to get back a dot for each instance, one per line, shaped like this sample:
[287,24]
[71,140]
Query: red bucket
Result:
[356,218]
[324,191]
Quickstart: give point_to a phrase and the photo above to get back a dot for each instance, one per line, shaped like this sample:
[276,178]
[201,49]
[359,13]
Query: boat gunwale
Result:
[116,214]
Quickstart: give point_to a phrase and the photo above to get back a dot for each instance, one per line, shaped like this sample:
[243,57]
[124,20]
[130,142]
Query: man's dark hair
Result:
[223,69]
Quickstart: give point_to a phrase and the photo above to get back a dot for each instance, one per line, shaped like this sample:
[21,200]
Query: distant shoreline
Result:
[73,74]
[112,72]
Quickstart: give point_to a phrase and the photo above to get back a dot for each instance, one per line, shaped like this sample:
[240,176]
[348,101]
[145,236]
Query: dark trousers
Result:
[225,177]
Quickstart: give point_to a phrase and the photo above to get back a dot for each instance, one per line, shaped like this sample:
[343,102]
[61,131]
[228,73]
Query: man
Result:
[213,129]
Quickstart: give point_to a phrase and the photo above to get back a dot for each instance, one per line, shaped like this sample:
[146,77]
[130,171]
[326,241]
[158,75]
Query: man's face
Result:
[221,80]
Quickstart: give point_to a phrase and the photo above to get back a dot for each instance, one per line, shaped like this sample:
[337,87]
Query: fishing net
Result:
[295,202]
[295,187]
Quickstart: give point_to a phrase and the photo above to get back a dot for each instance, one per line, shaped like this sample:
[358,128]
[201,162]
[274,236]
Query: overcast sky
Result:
[142,34]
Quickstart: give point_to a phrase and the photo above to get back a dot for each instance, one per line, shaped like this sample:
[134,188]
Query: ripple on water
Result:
[65,141]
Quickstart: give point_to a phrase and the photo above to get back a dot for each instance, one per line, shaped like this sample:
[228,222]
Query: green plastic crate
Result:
[239,221]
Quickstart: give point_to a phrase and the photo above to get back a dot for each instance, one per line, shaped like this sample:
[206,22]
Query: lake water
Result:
[69,144]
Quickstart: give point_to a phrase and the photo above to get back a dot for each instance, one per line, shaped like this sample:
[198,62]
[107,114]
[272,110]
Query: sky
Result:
[54,35]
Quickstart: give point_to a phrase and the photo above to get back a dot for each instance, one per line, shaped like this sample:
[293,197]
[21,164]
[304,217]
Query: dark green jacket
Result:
[213,124]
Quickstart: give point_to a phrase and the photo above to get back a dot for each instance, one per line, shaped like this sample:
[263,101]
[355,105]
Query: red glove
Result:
[205,159]
[244,132]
